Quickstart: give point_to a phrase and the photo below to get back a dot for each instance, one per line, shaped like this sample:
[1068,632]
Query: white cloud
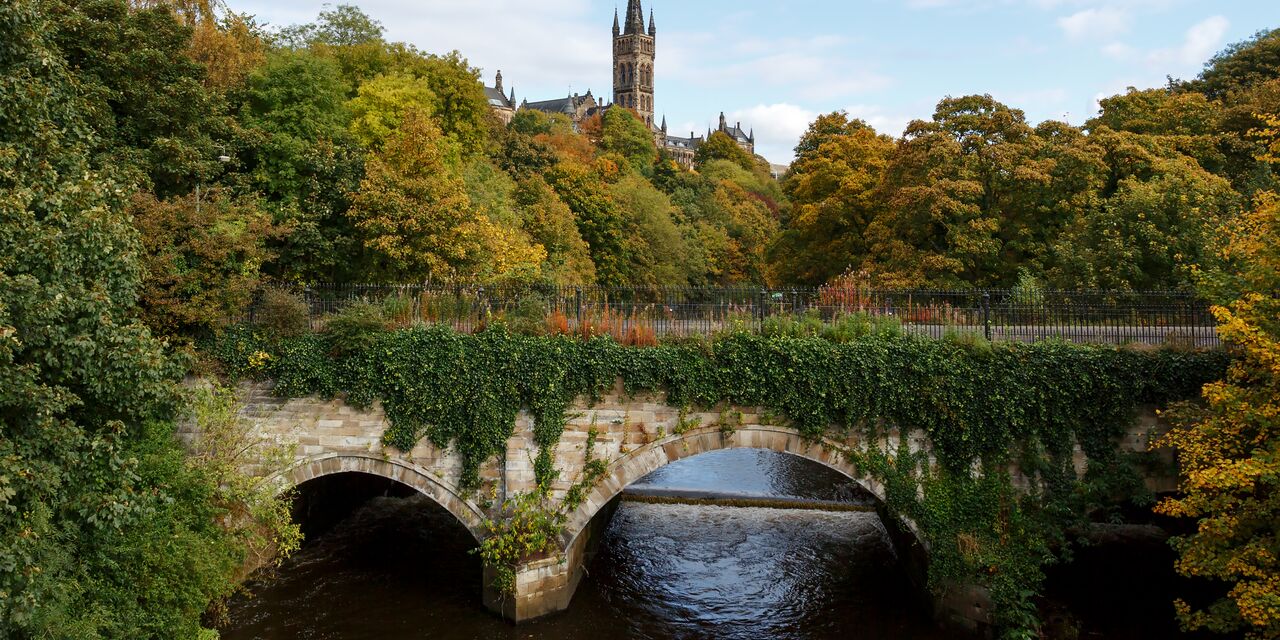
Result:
[1104,22]
[892,124]
[1202,40]
[1198,45]
[778,127]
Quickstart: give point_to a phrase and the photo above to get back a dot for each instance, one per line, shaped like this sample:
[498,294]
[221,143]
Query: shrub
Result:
[354,329]
[529,316]
[282,313]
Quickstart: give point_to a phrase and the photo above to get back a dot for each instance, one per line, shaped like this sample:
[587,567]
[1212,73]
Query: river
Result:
[399,567]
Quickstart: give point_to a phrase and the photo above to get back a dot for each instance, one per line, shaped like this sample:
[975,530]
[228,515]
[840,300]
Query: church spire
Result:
[635,17]
[617,29]
[664,124]
[653,29]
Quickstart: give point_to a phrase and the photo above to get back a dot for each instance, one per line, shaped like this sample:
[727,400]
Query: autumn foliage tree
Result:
[1230,454]
[416,220]
[201,259]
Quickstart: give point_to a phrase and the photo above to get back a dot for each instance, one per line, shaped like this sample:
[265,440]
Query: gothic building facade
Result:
[634,64]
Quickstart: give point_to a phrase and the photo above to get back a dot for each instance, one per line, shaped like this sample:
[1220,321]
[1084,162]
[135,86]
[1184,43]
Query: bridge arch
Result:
[634,465]
[467,512]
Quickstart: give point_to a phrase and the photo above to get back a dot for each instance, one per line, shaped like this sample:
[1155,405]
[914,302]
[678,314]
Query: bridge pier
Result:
[962,609]
[545,586]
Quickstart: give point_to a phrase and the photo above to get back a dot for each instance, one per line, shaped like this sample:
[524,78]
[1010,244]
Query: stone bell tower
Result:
[633,56]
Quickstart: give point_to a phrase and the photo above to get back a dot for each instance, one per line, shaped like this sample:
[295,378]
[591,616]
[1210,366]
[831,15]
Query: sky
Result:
[775,65]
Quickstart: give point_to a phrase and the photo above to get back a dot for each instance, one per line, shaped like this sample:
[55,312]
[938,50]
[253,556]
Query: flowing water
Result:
[399,567]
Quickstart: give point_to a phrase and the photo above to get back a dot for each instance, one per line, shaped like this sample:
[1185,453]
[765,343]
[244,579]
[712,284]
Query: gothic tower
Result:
[633,55]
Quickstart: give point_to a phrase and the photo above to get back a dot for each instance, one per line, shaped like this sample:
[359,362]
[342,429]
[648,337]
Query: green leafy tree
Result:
[147,99]
[461,109]
[721,147]
[1157,217]
[1240,66]
[1157,112]
[108,531]
[293,148]
[551,223]
[381,104]
[599,218]
[655,250]
[942,215]
[296,94]
[625,134]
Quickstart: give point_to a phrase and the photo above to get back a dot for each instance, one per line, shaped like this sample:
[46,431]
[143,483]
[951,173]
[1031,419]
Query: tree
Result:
[625,134]
[750,226]
[1230,454]
[461,110]
[654,251]
[147,98]
[294,149]
[381,104]
[832,189]
[201,262]
[550,223]
[721,147]
[1240,66]
[951,186]
[108,532]
[296,94]
[1157,216]
[600,219]
[825,128]
[1157,112]
[417,223]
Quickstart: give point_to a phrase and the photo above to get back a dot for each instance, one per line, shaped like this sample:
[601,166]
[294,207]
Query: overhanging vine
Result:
[982,406]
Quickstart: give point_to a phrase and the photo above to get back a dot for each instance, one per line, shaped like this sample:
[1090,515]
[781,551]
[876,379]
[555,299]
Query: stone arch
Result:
[639,463]
[468,513]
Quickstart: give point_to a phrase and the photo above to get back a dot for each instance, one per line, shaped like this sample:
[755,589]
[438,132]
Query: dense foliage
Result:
[983,407]
[1230,453]
[977,195]
[108,529]
[374,161]
[160,161]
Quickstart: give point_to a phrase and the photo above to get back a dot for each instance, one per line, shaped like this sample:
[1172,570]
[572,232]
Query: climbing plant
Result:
[983,406]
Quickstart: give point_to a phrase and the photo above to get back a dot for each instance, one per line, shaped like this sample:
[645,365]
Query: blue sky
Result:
[775,65]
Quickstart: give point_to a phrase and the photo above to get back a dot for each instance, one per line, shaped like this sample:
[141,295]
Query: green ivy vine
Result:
[982,406]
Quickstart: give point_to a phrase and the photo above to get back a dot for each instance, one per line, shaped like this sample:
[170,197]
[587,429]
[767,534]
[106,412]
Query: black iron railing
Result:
[1104,317]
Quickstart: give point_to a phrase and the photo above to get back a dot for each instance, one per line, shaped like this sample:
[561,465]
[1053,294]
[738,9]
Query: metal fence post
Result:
[578,302]
[986,314]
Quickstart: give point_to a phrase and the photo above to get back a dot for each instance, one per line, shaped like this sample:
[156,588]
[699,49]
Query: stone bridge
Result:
[635,435]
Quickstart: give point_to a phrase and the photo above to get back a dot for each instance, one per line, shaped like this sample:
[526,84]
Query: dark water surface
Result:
[400,568]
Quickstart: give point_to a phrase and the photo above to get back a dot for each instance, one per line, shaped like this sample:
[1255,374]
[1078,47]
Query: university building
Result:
[634,56]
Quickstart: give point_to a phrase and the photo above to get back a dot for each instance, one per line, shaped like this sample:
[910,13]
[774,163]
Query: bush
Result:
[283,314]
[851,326]
[354,329]
[529,317]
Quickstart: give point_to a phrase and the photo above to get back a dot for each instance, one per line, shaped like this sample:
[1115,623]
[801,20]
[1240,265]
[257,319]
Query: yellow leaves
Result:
[1231,458]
